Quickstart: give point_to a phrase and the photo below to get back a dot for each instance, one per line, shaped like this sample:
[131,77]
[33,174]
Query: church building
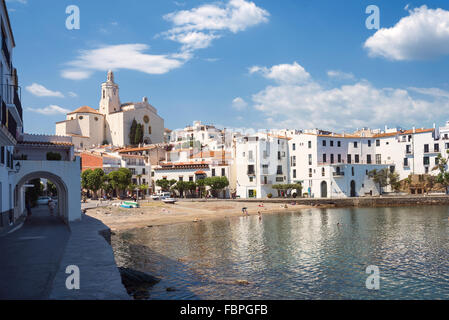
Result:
[111,123]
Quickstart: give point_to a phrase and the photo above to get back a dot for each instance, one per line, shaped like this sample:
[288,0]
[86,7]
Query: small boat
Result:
[169,200]
[126,206]
[132,204]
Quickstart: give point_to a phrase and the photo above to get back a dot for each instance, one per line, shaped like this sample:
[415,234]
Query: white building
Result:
[24,157]
[331,165]
[261,161]
[111,124]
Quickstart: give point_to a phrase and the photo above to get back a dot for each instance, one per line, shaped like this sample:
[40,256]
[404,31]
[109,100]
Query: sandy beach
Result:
[156,213]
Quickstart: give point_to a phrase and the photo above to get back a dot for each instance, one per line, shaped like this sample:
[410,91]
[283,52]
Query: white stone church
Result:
[112,122]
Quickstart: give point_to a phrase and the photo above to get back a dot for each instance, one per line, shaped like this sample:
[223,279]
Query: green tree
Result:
[201,184]
[217,184]
[393,181]
[132,132]
[95,181]
[84,175]
[380,177]
[443,175]
[165,184]
[120,180]
[139,134]
[180,186]
[34,192]
[51,188]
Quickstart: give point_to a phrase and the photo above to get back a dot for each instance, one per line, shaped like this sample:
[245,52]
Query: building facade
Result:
[111,123]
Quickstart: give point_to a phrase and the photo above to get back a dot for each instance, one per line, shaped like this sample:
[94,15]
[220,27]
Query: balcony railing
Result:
[11,95]
[339,174]
[5,51]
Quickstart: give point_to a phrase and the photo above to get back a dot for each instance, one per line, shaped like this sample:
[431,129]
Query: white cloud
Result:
[340,75]
[72,94]
[239,104]
[75,74]
[283,73]
[40,91]
[50,110]
[310,105]
[435,92]
[124,56]
[19,1]
[424,34]
[196,28]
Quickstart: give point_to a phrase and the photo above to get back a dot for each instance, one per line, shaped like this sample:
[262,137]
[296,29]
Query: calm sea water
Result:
[301,255]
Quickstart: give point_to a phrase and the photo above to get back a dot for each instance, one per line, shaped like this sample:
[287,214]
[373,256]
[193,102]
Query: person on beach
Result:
[245,210]
[260,215]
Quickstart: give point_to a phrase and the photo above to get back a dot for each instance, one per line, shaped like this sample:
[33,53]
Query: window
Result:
[251,179]
[437,161]
[356,158]
[2,155]
[81,117]
[377,143]
[426,161]
[223,172]
[191,178]
[352,171]
[213,172]
[426,148]
[369,143]
[294,146]
[349,158]
[405,162]
[378,159]
[310,172]
[279,155]
[250,155]
[368,159]
[294,173]
[323,172]
[324,143]
[338,143]
[133,170]
[436,147]
[149,130]
[279,170]
[294,161]
[408,149]
[143,171]
[265,169]
[332,158]
[355,144]
[310,144]
[447,145]
[251,169]
[310,159]
[339,158]
[332,143]
[324,158]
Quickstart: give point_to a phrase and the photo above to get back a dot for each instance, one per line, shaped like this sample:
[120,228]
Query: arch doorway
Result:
[324,189]
[61,208]
[353,193]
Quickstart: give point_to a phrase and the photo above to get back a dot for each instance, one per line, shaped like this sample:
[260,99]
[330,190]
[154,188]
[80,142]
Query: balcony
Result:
[8,127]
[338,174]
[5,51]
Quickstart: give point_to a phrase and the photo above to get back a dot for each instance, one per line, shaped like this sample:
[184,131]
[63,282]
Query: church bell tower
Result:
[110,99]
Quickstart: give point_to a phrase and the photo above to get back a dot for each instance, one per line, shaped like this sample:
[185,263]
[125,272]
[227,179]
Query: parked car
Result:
[155,197]
[164,195]
[43,200]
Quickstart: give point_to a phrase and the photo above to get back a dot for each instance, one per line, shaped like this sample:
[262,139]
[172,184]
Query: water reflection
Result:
[312,254]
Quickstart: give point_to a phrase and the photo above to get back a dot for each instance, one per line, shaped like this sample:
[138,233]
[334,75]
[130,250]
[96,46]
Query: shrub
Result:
[269,196]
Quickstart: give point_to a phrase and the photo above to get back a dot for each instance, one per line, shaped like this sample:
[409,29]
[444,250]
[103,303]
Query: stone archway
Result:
[61,187]
[324,189]
[353,191]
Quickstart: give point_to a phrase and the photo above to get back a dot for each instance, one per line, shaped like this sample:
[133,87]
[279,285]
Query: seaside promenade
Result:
[35,258]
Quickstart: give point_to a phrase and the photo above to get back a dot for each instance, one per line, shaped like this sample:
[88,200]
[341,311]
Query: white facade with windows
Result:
[261,161]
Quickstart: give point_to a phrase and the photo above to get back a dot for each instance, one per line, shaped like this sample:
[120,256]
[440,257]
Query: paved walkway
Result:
[30,257]
[99,276]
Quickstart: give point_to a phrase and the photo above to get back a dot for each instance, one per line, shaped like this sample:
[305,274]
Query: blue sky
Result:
[238,63]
